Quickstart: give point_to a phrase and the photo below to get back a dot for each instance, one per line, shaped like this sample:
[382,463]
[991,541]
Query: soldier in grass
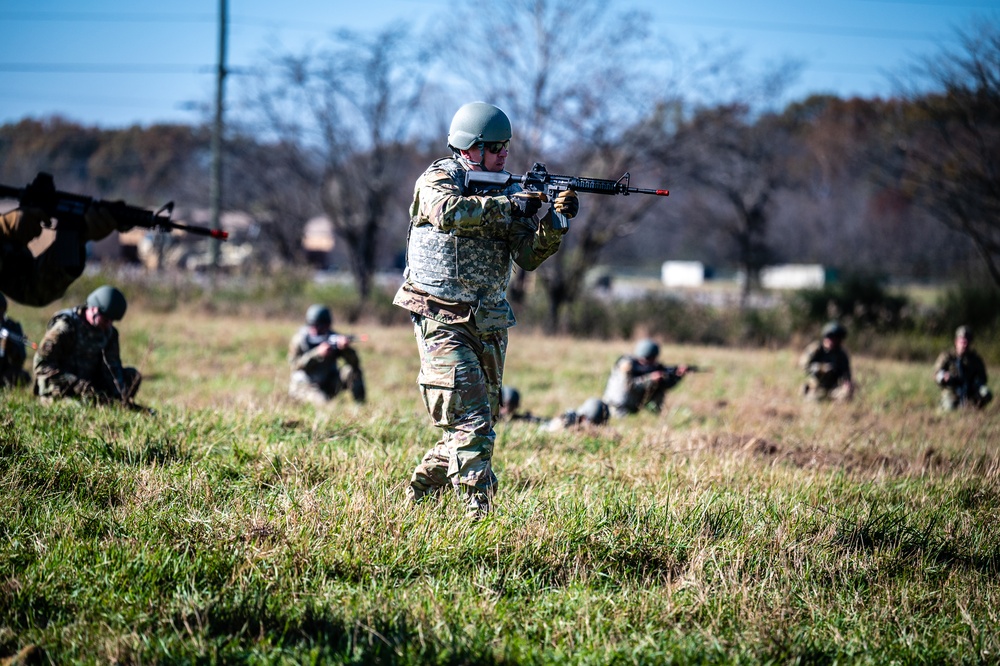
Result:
[460,251]
[827,366]
[640,381]
[592,412]
[12,351]
[323,362]
[961,375]
[79,355]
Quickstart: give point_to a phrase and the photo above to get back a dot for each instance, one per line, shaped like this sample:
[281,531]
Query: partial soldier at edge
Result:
[12,351]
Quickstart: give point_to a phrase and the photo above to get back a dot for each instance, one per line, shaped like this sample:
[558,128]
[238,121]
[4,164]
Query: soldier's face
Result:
[961,344]
[491,161]
[98,320]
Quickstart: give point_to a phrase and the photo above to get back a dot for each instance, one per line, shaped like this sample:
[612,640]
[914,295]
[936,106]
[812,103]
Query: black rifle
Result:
[540,180]
[8,334]
[69,210]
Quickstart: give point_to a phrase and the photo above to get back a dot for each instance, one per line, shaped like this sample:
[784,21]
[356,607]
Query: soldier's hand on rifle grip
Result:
[526,204]
[567,204]
[100,222]
[20,226]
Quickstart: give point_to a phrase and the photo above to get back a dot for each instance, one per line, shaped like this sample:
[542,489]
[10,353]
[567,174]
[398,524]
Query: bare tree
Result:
[342,115]
[575,76]
[951,152]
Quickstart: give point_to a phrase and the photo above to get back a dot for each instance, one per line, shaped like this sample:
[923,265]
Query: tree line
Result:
[906,186]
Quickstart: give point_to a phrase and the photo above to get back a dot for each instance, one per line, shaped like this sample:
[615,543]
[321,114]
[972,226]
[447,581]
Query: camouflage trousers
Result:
[103,390]
[952,399]
[814,389]
[461,371]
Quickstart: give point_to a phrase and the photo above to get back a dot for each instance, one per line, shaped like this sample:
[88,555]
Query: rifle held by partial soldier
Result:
[69,210]
[540,180]
[6,334]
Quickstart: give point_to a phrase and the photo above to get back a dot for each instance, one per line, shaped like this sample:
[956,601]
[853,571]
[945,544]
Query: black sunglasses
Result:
[496,146]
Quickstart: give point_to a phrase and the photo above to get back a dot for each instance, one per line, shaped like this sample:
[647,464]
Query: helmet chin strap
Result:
[468,162]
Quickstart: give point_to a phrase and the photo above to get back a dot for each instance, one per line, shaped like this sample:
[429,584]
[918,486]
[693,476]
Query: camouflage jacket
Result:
[460,250]
[304,356]
[72,350]
[830,367]
[966,373]
[631,385]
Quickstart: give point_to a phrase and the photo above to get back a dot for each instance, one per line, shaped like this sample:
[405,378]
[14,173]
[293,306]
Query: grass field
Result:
[739,526]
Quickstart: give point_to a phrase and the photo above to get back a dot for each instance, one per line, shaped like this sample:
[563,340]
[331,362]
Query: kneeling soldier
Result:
[314,354]
[79,356]
[961,374]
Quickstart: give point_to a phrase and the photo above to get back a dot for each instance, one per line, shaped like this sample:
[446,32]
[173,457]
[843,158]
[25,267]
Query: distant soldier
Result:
[827,366]
[12,352]
[323,362]
[593,412]
[510,407]
[79,355]
[640,381]
[961,374]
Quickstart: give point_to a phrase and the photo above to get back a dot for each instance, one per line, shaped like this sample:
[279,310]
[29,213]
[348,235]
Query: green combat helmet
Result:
[319,315]
[595,410]
[109,301]
[510,398]
[478,122]
[964,332]
[647,349]
[834,329]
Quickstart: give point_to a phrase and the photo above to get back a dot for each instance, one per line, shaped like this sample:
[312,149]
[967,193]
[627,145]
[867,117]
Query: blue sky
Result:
[119,62]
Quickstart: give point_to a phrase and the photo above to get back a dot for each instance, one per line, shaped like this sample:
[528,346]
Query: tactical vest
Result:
[458,268]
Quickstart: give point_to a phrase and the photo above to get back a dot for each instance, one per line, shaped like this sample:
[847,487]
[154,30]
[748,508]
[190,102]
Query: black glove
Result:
[526,204]
[567,203]
[83,388]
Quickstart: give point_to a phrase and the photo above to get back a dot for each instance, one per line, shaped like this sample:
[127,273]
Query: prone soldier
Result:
[641,381]
[593,412]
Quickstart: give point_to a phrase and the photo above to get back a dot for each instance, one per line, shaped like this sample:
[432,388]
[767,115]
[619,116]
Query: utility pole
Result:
[215,187]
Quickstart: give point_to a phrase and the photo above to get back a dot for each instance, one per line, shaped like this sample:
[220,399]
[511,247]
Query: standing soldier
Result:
[79,355]
[827,366]
[961,374]
[639,380]
[460,252]
[12,352]
[315,353]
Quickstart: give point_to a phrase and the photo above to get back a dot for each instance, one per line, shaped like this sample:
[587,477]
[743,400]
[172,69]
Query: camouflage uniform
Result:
[631,387]
[460,252]
[966,383]
[828,372]
[78,360]
[317,378]
[12,355]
